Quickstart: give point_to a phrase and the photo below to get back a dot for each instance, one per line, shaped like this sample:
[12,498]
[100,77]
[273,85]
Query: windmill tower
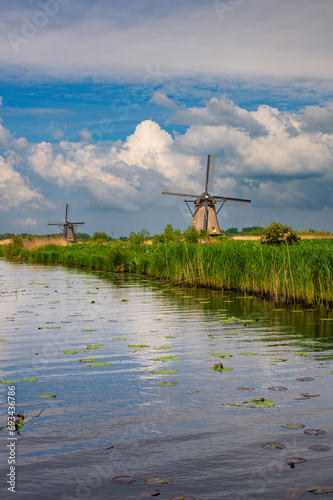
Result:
[67,227]
[205,214]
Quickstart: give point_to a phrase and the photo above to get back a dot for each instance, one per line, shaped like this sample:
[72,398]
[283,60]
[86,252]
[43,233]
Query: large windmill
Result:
[205,214]
[67,227]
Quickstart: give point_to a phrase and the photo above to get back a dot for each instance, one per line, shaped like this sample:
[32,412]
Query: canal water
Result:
[215,434]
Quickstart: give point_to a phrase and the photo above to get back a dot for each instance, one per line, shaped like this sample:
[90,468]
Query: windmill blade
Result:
[210,174]
[235,200]
[206,215]
[77,223]
[55,223]
[175,192]
[67,213]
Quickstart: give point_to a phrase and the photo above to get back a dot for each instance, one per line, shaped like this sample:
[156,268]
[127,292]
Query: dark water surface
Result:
[116,420]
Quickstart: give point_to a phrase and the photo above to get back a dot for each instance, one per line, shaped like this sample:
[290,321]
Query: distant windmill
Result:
[67,227]
[205,214]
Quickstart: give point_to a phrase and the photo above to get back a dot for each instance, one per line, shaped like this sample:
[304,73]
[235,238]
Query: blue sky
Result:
[103,103]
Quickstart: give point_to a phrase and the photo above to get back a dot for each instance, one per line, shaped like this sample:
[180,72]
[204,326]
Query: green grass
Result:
[292,274]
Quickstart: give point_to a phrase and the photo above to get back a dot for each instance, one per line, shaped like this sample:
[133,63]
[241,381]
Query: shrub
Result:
[276,234]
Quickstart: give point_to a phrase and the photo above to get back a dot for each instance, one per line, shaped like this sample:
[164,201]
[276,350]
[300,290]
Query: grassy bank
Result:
[287,273]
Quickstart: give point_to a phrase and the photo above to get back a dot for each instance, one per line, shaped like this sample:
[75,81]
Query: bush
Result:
[100,238]
[191,235]
[276,234]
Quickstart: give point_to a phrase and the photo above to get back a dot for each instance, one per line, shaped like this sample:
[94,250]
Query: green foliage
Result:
[83,236]
[17,242]
[231,230]
[252,231]
[140,237]
[277,233]
[100,238]
[191,235]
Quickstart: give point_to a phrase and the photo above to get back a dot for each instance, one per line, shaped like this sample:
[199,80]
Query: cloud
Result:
[57,134]
[27,222]
[251,40]
[163,100]
[16,191]
[85,135]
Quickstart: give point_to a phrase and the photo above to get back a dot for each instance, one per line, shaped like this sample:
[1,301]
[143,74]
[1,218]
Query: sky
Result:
[103,103]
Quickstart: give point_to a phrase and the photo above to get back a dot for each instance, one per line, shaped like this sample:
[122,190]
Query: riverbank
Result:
[287,274]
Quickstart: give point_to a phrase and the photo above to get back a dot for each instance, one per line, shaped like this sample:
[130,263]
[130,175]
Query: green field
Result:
[284,273]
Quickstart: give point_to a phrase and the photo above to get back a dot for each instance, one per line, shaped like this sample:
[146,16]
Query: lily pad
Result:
[241,388]
[124,479]
[2,340]
[220,368]
[293,426]
[118,338]
[8,381]
[102,363]
[273,446]
[277,360]
[169,336]
[32,379]
[164,372]
[221,355]
[162,384]
[319,447]
[263,402]
[88,360]
[314,432]
[305,379]
[301,354]
[277,388]
[247,353]
[163,348]
[213,336]
[166,358]
[318,490]
[136,346]
[158,481]
[309,395]
[46,396]
[70,352]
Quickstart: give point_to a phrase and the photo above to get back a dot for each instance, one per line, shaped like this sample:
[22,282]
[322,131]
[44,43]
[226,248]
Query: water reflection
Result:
[116,419]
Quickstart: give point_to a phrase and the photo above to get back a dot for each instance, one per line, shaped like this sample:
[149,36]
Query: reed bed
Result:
[288,273]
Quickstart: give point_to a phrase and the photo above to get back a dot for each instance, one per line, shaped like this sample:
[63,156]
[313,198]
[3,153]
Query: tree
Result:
[100,237]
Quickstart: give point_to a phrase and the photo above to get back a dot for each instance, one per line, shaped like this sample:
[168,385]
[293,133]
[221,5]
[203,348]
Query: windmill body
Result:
[68,228]
[205,213]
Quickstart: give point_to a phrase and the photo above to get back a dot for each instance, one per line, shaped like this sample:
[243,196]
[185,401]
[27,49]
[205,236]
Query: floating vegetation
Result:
[149,493]
[319,490]
[247,353]
[46,396]
[293,426]
[213,336]
[32,379]
[292,461]
[305,379]
[221,355]
[166,336]
[137,346]
[220,368]
[94,346]
[70,352]
[163,348]
[164,372]
[319,447]
[8,381]
[158,481]
[88,360]
[2,340]
[118,338]
[314,432]
[301,354]
[277,388]
[241,388]
[166,358]
[277,360]
[101,363]
[124,479]
[89,330]
[308,395]
[273,446]
[162,384]
[256,403]
[183,497]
